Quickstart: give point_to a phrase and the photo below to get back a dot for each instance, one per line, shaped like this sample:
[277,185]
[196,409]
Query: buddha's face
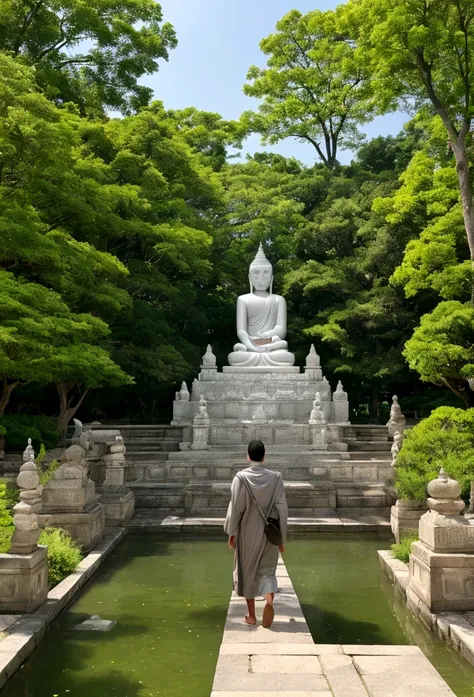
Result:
[261,277]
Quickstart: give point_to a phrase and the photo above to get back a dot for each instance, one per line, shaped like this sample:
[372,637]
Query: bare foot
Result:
[250,620]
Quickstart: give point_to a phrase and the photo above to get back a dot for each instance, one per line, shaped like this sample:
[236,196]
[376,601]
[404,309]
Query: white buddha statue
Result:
[261,321]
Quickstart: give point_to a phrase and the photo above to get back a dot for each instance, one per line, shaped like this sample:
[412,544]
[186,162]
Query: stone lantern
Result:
[442,562]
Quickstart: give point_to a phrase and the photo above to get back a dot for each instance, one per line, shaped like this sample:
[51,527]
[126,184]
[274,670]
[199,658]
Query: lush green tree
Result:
[444,440]
[441,349]
[424,52]
[92,54]
[41,341]
[315,88]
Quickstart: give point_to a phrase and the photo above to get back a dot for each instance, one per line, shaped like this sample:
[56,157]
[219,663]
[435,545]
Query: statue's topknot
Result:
[260,258]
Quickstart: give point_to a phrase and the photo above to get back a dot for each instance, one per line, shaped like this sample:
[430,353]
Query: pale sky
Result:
[218,42]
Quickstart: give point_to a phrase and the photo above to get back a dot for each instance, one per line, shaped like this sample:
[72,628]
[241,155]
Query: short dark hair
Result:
[256,451]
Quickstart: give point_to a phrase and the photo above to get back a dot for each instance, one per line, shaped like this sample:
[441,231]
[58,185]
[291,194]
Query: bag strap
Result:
[249,489]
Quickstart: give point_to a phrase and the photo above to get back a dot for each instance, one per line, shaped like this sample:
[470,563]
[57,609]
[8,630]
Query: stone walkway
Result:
[284,661]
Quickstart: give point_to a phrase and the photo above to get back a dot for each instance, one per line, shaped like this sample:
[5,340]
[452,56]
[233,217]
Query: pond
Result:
[347,600]
[169,597]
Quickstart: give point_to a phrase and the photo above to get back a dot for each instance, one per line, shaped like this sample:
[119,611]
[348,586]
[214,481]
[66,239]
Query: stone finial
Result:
[445,495]
[184,392]
[259,415]
[209,360]
[176,396]
[25,536]
[312,359]
[29,453]
[196,391]
[397,421]
[326,389]
[202,401]
[339,395]
[396,447]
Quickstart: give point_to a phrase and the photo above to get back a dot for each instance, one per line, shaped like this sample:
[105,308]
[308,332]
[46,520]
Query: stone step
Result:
[323,521]
[379,445]
[143,445]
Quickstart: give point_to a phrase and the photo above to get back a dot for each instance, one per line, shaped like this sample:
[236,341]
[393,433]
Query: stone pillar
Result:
[442,562]
[396,422]
[208,365]
[70,502]
[340,405]
[317,423]
[117,499]
[313,365]
[24,570]
[405,517]
[201,425]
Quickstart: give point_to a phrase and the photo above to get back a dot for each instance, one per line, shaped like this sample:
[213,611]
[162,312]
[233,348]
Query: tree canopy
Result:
[126,239]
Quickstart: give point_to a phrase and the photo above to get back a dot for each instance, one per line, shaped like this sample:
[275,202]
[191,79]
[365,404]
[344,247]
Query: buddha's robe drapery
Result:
[255,558]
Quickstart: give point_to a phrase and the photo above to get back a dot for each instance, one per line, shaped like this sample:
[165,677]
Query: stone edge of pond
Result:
[456,628]
[26,632]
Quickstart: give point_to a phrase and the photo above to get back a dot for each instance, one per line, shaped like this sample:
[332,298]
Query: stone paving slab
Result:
[278,693]
[278,649]
[343,677]
[401,676]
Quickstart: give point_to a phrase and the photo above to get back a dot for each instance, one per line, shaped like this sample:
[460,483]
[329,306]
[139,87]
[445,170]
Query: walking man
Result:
[256,494]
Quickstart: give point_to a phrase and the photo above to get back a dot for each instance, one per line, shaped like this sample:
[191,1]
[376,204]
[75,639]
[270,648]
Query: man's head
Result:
[256,451]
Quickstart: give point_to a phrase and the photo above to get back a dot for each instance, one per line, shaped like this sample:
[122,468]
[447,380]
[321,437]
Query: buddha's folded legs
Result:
[245,358]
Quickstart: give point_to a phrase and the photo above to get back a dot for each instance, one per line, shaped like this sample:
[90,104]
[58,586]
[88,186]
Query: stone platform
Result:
[283,661]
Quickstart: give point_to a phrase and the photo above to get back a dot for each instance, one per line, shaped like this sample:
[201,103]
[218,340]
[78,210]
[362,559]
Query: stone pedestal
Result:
[23,581]
[69,501]
[405,518]
[24,571]
[117,499]
[442,562]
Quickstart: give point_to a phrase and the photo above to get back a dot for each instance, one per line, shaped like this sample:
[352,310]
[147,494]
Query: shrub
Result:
[402,550]
[443,440]
[20,427]
[47,474]
[8,498]
[64,553]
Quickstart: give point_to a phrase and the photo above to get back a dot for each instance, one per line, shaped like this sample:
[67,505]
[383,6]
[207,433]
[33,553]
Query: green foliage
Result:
[20,427]
[48,473]
[441,349]
[444,440]
[402,550]
[315,87]
[7,501]
[64,554]
[120,41]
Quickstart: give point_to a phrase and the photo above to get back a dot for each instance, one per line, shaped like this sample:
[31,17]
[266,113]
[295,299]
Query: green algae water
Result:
[346,599]
[169,598]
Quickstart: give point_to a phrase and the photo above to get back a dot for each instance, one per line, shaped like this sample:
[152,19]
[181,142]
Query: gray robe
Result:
[255,558]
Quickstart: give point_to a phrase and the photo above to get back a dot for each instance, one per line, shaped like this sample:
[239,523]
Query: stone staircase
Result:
[198,483]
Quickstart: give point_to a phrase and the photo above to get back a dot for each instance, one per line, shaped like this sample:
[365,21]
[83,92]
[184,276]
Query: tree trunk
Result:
[374,406]
[6,394]
[67,409]
[459,393]
[465,185]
